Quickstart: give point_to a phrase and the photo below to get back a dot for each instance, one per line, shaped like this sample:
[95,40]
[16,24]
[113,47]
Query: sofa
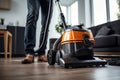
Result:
[107,36]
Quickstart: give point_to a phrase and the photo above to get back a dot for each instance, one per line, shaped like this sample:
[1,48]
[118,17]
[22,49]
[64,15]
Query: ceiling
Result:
[66,2]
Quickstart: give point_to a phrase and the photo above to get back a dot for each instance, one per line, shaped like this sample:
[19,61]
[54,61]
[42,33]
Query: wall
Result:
[18,13]
[84,12]
[88,13]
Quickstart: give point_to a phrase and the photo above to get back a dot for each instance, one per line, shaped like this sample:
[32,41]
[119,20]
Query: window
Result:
[104,10]
[99,12]
[64,10]
[74,13]
[113,10]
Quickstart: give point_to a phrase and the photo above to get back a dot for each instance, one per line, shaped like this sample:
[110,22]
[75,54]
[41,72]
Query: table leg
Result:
[5,44]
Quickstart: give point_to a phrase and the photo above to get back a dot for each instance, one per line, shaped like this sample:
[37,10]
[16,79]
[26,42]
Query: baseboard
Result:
[13,55]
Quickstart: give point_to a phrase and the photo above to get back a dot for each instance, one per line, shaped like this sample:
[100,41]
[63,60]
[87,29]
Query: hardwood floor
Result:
[14,70]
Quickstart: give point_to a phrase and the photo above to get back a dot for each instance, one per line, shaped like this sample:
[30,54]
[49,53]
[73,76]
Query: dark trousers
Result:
[30,30]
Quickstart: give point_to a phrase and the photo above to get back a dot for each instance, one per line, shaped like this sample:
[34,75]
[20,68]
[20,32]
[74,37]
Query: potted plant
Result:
[59,27]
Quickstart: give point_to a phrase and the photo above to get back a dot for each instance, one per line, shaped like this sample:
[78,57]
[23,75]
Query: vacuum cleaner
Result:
[74,48]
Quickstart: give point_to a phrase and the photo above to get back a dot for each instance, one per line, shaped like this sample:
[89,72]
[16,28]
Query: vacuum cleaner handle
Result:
[62,15]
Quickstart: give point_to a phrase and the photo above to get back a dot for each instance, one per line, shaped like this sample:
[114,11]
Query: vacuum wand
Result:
[62,15]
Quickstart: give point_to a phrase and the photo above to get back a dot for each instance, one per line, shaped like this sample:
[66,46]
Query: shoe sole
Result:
[27,62]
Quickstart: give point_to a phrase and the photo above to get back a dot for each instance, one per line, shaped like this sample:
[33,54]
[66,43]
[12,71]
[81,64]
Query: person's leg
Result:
[46,5]
[30,29]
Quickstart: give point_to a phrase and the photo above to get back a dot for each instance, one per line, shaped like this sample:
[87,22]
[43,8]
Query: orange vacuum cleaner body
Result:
[78,42]
[76,36]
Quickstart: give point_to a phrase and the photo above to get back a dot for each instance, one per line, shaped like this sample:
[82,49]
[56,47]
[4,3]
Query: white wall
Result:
[18,13]
[84,12]
[81,11]
[87,14]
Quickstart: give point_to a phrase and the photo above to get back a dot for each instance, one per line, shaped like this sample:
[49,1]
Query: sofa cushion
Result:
[118,41]
[103,31]
[107,49]
[115,25]
[106,41]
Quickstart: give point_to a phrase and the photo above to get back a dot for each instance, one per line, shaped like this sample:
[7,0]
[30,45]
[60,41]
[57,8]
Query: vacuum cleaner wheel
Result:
[51,56]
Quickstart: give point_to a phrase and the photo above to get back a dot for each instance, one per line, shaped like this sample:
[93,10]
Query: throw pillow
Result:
[111,30]
[103,31]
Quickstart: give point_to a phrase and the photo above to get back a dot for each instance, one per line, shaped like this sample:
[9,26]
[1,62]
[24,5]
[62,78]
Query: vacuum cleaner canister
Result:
[78,42]
[74,48]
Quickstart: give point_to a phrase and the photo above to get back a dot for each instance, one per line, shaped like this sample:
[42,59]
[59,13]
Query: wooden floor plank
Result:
[14,70]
